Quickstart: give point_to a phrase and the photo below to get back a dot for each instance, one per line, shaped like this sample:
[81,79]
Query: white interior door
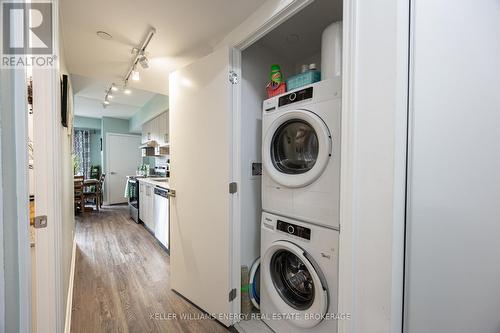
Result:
[201,170]
[454,184]
[123,158]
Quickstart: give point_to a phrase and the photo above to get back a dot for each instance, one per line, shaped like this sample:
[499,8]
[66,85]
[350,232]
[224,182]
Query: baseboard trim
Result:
[69,301]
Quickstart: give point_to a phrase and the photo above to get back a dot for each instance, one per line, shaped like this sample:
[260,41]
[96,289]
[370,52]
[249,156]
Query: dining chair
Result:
[79,200]
[100,188]
[92,193]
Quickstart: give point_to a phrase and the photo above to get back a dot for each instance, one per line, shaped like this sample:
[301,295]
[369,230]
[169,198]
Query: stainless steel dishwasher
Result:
[161,216]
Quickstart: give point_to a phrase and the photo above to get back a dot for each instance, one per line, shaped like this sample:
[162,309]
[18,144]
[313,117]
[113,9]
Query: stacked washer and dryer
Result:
[300,202]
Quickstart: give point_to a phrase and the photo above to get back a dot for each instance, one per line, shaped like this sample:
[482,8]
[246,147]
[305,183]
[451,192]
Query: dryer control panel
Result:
[294,229]
[296,96]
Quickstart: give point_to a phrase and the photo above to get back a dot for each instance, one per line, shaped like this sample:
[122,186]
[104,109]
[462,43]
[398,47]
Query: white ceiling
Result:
[312,20]
[87,107]
[89,94]
[186,30]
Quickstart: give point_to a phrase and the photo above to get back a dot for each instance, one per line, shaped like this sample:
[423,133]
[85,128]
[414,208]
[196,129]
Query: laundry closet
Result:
[296,184]
[223,99]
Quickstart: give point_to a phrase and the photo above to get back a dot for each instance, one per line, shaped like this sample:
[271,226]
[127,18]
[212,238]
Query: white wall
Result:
[453,217]
[67,204]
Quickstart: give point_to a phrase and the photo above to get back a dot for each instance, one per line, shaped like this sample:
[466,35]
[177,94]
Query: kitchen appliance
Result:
[133,199]
[299,276]
[301,153]
[161,216]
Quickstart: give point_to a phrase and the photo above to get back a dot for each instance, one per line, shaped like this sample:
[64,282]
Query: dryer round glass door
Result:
[295,284]
[296,148]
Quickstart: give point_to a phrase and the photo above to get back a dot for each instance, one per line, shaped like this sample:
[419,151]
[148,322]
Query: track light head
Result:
[143,61]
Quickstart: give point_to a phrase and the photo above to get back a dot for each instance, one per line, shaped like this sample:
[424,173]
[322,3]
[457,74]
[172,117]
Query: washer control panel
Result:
[294,229]
[296,96]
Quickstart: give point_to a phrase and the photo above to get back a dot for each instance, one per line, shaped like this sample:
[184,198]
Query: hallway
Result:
[122,280]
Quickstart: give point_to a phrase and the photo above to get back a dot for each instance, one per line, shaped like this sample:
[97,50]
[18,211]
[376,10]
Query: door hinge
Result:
[233,187]
[233,77]
[40,221]
[232,294]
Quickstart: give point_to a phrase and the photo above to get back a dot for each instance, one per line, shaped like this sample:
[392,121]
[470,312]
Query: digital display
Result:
[294,229]
[296,96]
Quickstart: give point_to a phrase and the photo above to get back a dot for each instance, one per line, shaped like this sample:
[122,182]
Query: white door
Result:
[123,158]
[452,267]
[201,164]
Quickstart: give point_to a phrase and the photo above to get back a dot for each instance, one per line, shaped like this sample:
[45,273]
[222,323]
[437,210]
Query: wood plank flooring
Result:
[122,280]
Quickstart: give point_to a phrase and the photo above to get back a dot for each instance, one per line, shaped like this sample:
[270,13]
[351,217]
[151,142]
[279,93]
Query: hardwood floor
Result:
[122,280]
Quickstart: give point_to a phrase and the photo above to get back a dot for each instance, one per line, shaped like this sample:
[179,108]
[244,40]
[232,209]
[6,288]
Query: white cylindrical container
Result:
[331,51]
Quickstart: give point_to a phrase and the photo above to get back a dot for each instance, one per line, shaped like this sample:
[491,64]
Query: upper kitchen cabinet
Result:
[147,130]
[163,128]
[156,130]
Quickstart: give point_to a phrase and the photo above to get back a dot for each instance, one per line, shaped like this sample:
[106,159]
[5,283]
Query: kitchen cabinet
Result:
[156,129]
[162,130]
[147,134]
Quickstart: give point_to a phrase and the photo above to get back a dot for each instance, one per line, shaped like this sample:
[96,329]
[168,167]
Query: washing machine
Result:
[301,153]
[299,276]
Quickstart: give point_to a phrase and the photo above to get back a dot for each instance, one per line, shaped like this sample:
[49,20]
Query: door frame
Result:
[106,158]
[49,294]
[263,21]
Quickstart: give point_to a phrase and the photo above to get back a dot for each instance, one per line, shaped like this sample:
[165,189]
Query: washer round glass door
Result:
[296,148]
[294,284]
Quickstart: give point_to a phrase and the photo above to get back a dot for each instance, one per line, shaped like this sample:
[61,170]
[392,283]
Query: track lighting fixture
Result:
[133,73]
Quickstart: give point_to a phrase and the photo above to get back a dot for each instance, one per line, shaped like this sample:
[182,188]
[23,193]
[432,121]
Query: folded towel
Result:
[128,190]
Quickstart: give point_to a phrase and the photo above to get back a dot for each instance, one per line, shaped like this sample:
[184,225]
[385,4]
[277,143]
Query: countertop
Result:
[161,182]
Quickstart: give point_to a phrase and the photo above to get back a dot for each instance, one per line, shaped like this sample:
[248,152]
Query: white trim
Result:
[264,20]
[22,196]
[235,225]
[106,158]
[347,249]
[69,300]
[48,170]
[351,247]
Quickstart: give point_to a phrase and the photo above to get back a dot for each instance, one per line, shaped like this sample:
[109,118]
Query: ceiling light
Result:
[111,96]
[106,102]
[114,87]
[104,35]
[144,62]
[135,74]
[127,91]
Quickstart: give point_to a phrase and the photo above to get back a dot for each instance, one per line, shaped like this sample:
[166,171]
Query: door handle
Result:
[112,173]
[171,193]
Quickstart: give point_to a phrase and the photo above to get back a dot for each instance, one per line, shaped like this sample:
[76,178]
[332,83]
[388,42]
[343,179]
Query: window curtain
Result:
[81,150]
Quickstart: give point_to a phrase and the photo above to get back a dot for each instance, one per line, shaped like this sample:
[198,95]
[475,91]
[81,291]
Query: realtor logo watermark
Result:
[27,35]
